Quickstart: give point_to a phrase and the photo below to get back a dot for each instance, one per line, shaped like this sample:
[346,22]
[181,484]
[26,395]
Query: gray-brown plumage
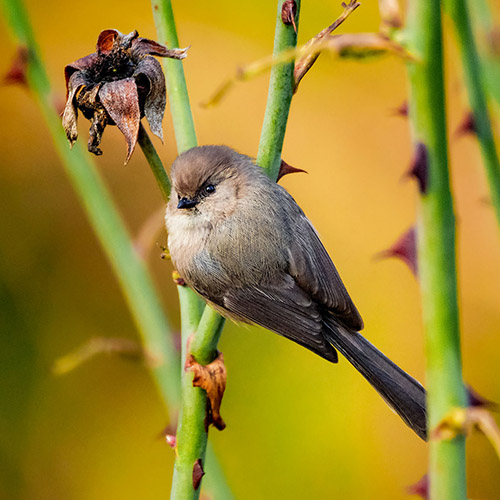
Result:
[242,242]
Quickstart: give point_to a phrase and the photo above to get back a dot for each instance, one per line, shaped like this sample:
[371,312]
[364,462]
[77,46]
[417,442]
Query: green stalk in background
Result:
[477,95]
[436,247]
[133,276]
[279,98]
[483,23]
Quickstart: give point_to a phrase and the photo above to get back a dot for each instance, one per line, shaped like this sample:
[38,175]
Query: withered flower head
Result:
[117,85]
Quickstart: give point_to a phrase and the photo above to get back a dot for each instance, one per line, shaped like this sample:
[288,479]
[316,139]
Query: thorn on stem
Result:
[16,74]
[420,488]
[198,473]
[405,249]
[286,169]
[401,110]
[467,126]
[419,167]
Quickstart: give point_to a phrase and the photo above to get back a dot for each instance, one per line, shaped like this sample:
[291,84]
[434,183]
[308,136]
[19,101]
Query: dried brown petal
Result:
[121,102]
[150,80]
[211,378]
[143,46]
[97,126]
[70,114]
[106,41]
[78,65]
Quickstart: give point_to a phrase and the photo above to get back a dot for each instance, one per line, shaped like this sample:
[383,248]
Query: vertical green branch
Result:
[131,272]
[192,435]
[180,109]
[477,96]
[436,247]
[279,98]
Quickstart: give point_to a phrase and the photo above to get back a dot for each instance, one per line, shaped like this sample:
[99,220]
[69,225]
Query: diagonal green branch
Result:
[436,247]
[131,272]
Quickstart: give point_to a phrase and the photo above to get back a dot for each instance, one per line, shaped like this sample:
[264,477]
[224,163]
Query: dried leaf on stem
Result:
[211,378]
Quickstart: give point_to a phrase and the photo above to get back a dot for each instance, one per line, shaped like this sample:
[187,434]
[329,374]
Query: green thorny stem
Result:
[436,247]
[474,79]
[134,279]
[279,98]
[193,441]
[191,432]
[198,338]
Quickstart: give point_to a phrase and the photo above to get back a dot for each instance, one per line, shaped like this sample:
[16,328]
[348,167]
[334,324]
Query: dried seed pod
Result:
[117,85]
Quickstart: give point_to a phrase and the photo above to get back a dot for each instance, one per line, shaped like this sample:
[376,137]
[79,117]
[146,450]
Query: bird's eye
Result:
[210,189]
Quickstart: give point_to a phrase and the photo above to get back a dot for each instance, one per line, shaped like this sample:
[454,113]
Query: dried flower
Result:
[117,85]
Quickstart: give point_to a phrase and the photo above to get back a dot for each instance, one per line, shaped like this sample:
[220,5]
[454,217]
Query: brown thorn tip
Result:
[198,473]
[420,488]
[419,167]
[467,126]
[405,249]
[285,169]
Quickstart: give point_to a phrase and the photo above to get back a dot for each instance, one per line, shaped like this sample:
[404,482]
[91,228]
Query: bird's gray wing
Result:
[284,308]
[313,270]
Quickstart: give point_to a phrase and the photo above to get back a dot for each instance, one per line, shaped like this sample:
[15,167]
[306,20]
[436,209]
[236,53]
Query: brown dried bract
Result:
[288,13]
[117,85]
[462,420]
[286,169]
[211,378]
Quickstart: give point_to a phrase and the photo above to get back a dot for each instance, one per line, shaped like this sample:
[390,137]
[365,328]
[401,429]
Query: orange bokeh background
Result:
[298,427]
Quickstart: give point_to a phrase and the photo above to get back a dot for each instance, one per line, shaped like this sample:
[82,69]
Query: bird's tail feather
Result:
[402,392]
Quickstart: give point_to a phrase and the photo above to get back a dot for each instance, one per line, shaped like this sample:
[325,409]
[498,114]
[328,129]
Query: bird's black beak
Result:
[186,203]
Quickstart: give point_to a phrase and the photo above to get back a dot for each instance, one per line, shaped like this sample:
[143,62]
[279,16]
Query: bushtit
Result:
[242,242]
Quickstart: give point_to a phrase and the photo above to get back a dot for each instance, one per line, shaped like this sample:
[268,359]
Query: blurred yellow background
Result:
[297,427]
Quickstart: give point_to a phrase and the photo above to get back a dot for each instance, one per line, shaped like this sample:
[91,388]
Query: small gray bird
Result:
[242,242]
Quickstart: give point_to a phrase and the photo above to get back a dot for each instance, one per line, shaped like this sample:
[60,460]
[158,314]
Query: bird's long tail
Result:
[403,393]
